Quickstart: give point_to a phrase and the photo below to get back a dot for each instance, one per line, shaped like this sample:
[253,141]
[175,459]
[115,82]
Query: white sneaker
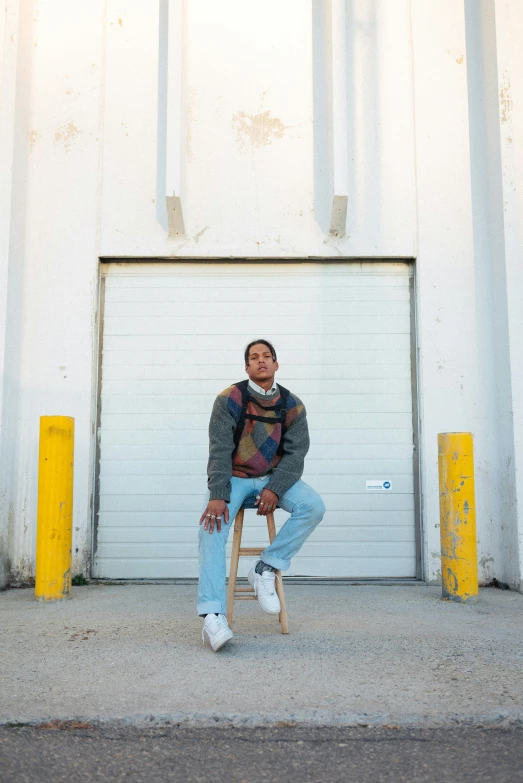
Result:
[265,589]
[217,630]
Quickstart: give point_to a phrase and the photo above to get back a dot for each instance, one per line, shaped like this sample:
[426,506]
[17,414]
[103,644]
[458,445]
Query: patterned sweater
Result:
[256,454]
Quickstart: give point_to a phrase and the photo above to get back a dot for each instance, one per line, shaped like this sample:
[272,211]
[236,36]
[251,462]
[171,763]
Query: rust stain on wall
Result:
[458,56]
[66,134]
[259,130]
[505,99]
[32,138]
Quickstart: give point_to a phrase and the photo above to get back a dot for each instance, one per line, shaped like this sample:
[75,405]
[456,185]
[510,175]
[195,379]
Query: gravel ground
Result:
[133,654]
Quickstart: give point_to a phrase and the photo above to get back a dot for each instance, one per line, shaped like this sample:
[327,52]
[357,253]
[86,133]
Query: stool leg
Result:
[279,584]
[235,555]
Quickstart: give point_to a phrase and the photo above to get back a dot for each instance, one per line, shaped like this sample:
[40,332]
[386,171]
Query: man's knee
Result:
[314,507]
[319,508]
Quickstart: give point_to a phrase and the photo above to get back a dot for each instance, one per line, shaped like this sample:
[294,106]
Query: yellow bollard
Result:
[459,562]
[54,533]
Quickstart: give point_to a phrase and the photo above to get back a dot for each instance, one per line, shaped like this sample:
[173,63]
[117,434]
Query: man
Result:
[258,439]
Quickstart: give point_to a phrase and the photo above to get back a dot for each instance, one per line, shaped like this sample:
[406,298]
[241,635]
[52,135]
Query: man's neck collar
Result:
[260,389]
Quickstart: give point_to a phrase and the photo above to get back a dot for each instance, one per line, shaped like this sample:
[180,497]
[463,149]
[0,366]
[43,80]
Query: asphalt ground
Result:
[62,753]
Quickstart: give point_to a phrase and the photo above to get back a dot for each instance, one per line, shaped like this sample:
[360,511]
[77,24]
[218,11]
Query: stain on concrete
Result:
[65,134]
[257,130]
[80,635]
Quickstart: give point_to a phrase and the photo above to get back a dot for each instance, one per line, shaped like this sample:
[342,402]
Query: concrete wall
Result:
[254,116]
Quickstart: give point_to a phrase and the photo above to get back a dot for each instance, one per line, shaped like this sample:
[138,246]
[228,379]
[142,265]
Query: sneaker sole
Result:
[250,579]
[221,641]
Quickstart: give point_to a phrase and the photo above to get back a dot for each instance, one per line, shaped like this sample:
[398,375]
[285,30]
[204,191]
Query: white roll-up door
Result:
[173,338]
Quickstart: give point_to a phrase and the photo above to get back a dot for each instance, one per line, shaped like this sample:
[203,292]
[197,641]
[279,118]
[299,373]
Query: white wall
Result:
[250,159]
[509,24]
[85,115]
[52,275]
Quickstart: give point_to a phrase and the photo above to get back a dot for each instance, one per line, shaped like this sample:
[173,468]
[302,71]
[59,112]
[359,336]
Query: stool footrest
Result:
[237,593]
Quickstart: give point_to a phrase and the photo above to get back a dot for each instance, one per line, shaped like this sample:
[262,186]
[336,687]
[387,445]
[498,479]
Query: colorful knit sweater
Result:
[256,454]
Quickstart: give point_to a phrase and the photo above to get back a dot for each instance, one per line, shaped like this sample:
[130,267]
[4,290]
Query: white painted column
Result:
[447,351]
[9,19]
[176,16]
[339,117]
[8,55]
[509,45]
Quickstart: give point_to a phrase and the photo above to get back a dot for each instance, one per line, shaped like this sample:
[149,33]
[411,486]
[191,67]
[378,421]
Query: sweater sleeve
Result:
[221,446]
[296,443]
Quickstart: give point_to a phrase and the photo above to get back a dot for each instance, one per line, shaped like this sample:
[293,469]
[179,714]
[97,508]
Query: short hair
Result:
[263,342]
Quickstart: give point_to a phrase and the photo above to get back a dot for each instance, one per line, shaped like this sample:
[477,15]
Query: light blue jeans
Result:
[306,511]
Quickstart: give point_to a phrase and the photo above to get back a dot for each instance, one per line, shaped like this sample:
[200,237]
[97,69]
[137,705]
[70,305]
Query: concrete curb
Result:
[275,720]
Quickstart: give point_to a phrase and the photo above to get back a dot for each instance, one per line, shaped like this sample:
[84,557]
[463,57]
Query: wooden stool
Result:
[235,593]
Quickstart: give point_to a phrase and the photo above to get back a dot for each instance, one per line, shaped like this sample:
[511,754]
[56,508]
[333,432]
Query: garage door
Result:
[173,338]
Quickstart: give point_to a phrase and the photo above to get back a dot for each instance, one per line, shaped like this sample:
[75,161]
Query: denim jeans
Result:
[306,510]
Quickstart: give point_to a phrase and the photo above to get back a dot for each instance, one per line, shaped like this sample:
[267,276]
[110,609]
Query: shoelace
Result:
[268,582]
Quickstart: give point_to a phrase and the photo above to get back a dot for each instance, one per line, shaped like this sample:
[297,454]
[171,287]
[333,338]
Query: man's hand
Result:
[266,502]
[216,509]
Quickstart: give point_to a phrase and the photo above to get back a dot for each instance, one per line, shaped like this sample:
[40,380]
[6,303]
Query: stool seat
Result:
[235,593]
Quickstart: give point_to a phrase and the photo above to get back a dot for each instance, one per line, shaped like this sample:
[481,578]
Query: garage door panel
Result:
[303,325]
[319,549]
[164,485]
[290,283]
[322,439]
[194,503]
[342,332]
[187,360]
[322,421]
[318,456]
[316,467]
[198,345]
[170,388]
[177,310]
[187,503]
[324,534]
[219,376]
[359,568]
[280,298]
[186,520]
[315,403]
[124,568]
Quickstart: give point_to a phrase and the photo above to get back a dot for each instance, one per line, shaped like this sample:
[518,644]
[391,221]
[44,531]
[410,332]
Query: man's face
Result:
[261,366]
